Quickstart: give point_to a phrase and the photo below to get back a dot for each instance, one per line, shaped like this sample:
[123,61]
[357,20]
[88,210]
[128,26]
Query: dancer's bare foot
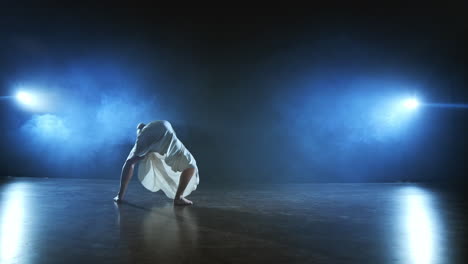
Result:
[182,201]
[117,199]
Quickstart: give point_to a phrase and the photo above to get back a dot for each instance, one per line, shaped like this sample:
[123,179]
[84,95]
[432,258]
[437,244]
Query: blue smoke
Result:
[47,128]
[347,127]
[93,123]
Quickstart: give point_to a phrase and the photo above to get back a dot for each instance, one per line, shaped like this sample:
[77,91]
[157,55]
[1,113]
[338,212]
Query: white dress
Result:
[165,159]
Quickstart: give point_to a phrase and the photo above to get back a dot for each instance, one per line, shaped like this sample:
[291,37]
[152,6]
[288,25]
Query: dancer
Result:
[165,163]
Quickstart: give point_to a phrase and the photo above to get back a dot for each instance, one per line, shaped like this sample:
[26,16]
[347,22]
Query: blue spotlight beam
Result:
[411,103]
[25,98]
[6,97]
[446,105]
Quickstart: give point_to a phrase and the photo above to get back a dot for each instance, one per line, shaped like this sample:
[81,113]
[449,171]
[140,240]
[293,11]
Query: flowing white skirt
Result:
[162,172]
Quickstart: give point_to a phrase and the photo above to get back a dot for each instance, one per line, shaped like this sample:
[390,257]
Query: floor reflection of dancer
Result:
[167,164]
[158,233]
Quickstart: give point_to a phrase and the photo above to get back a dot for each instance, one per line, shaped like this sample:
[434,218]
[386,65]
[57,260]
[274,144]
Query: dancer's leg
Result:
[183,181]
[127,173]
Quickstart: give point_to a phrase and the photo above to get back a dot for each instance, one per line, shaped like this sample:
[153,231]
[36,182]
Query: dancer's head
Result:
[140,126]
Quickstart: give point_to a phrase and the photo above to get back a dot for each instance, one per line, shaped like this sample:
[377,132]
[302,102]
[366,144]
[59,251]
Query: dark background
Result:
[285,95]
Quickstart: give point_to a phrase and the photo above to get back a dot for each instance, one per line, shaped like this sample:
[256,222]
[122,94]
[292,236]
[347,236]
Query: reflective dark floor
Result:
[76,221]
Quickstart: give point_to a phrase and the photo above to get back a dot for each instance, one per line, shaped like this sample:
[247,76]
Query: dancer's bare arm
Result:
[127,173]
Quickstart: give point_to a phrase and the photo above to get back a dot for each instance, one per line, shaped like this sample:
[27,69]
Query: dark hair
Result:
[141,125]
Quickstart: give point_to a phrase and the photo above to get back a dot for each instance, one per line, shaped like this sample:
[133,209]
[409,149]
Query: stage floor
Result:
[76,221]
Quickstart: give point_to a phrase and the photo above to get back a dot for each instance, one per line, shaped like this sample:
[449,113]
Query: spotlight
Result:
[25,98]
[411,103]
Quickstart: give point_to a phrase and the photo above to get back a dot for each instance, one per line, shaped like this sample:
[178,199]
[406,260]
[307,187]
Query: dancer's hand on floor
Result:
[117,199]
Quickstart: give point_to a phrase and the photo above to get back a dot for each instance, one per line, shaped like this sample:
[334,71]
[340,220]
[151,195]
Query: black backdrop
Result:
[255,95]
